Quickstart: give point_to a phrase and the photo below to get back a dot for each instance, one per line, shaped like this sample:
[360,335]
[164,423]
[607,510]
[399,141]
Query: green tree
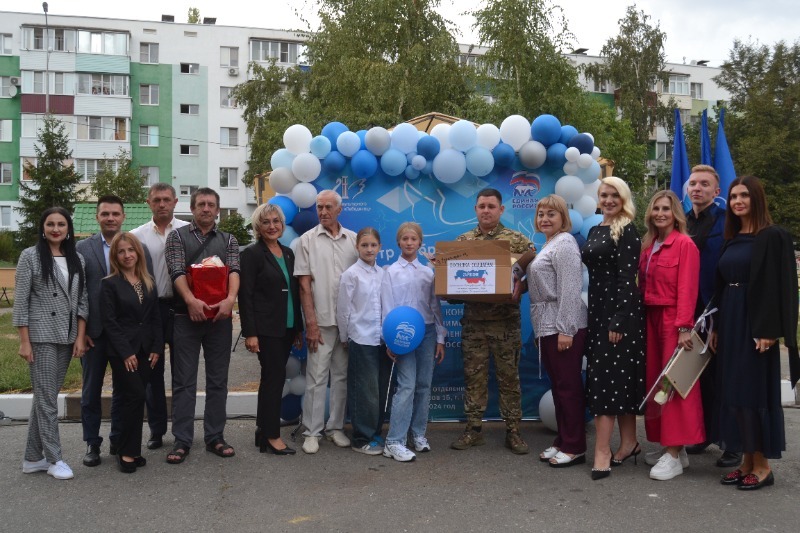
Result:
[236,225]
[193,16]
[120,177]
[52,182]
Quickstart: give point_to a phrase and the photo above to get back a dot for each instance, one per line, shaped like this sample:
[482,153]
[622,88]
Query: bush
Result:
[9,248]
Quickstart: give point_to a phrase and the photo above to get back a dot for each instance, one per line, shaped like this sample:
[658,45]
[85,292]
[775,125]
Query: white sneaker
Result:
[398,452]
[371,448]
[338,437]
[60,470]
[651,459]
[311,445]
[666,468]
[29,467]
[421,444]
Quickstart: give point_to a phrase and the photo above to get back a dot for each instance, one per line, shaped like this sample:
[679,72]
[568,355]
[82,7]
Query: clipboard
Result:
[687,365]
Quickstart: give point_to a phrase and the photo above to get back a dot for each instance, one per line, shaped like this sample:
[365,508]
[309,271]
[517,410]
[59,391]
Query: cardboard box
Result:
[474,271]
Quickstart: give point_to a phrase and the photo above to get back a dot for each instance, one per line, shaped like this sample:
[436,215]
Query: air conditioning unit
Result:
[14,81]
[233,71]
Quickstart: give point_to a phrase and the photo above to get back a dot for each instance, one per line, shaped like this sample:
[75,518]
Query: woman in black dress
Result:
[757,294]
[615,344]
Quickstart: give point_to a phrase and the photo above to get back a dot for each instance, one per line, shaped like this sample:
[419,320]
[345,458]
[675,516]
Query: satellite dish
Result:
[12,91]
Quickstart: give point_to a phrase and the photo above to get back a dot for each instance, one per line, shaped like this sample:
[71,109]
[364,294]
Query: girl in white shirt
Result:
[358,316]
[407,282]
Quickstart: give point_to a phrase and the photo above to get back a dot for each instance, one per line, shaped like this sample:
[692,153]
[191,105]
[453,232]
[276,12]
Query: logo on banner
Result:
[525,188]
[349,190]
[404,334]
[472,276]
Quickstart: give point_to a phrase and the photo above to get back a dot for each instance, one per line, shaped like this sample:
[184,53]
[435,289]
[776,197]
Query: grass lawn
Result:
[14,375]
[7,264]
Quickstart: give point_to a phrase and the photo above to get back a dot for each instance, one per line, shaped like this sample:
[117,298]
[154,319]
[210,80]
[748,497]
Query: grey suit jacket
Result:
[51,310]
[92,251]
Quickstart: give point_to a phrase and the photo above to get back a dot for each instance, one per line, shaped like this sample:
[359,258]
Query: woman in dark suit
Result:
[132,326]
[269,306]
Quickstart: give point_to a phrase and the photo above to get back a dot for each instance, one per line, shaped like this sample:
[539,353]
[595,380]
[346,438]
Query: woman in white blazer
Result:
[50,312]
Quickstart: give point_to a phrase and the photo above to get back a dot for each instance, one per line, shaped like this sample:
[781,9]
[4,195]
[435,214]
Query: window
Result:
[190,34]
[148,53]
[5,87]
[59,40]
[97,42]
[225,99]
[229,137]
[31,124]
[5,44]
[148,135]
[187,190]
[697,91]
[190,149]
[103,84]
[6,173]
[149,176]
[27,162]
[148,94]
[228,56]
[5,131]
[101,128]
[88,168]
[190,109]
[57,84]
[679,84]
[5,216]
[280,51]
[190,68]
[228,177]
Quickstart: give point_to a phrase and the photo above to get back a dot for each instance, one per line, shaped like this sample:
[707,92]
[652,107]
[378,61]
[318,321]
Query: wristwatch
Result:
[684,330]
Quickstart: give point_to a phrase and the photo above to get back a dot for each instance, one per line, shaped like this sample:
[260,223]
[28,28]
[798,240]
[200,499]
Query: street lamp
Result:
[47,61]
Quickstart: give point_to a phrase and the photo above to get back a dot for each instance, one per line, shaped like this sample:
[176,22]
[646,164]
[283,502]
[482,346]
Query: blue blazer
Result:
[710,250]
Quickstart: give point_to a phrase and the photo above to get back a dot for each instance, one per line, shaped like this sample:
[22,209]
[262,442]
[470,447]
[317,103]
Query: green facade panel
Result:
[160,115]
[10,110]
[190,129]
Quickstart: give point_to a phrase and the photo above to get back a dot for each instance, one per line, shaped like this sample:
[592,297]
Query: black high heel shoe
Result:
[600,473]
[634,453]
[266,447]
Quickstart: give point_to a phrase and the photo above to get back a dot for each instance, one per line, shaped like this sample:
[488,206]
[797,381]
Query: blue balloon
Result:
[411,173]
[393,162]
[410,156]
[289,234]
[555,155]
[503,155]
[364,164]
[418,162]
[480,161]
[348,143]
[281,158]
[403,329]
[428,147]
[589,223]
[577,221]
[320,146]
[583,143]
[332,130]
[581,241]
[362,134]
[304,221]
[291,407]
[546,129]
[463,135]
[589,174]
[334,162]
[428,168]
[567,133]
[287,206]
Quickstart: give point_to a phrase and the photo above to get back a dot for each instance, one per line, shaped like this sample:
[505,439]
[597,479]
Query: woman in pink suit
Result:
[669,270]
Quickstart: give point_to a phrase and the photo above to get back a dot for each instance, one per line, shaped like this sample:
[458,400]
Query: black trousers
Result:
[273,355]
[156,392]
[131,387]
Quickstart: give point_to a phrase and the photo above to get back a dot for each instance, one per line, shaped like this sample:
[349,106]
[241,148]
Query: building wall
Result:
[9,150]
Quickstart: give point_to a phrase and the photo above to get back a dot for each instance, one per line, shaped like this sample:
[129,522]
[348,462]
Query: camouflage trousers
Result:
[479,339]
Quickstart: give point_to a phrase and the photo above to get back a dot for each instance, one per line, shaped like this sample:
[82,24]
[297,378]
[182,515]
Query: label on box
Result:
[471,276]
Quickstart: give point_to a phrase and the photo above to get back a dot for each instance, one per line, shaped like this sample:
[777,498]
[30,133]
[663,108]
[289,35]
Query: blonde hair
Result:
[553,201]
[266,209]
[628,211]
[409,226]
[677,214]
[141,264]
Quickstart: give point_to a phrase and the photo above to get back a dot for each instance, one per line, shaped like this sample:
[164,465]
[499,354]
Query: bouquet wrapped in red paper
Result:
[209,282]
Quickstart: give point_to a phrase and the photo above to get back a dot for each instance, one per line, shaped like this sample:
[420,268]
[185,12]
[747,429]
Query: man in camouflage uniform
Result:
[492,328]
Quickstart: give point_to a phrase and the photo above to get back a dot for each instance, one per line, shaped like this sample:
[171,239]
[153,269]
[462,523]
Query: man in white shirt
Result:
[162,201]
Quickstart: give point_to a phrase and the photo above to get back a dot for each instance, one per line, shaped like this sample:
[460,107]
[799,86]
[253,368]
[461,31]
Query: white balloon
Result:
[405,137]
[572,154]
[294,244]
[570,188]
[292,367]
[585,298]
[348,143]
[297,139]
[488,136]
[442,132]
[378,140]
[571,168]
[590,189]
[298,385]
[595,153]
[282,180]
[585,160]
[285,392]
[516,131]
[304,195]
[306,167]
[586,206]
[449,166]
[463,135]
[533,154]
[547,411]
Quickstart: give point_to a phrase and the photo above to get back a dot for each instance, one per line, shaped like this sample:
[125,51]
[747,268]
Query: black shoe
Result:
[126,467]
[697,449]
[139,461]
[729,459]
[266,447]
[92,457]
[634,453]
[258,436]
[751,482]
[601,473]
[112,449]
[155,442]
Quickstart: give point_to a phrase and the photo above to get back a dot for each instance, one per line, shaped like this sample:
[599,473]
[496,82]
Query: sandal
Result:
[177,455]
[548,454]
[562,460]
[218,447]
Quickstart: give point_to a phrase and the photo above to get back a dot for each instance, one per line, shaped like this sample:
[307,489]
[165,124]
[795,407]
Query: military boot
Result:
[468,439]
[515,443]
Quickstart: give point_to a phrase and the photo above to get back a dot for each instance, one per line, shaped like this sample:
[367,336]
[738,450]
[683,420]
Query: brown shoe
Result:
[468,439]
[515,443]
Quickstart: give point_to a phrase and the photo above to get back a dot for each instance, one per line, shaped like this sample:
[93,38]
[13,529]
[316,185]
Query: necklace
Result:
[546,242]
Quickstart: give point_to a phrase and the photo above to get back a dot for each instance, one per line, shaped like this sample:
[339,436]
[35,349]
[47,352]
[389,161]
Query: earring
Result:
[67,237]
[43,236]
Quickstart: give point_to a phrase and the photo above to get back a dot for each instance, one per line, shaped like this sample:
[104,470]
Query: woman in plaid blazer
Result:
[50,312]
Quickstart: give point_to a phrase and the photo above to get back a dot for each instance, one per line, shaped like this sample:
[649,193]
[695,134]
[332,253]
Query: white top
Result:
[156,242]
[411,284]
[61,263]
[325,258]
[358,307]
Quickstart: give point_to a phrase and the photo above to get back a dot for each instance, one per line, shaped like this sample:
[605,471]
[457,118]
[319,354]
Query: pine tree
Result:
[120,177]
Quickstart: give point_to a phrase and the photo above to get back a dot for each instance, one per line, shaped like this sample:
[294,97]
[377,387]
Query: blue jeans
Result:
[367,383]
[412,399]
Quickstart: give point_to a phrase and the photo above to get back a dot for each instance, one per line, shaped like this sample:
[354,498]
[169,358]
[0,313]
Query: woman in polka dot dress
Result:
[615,344]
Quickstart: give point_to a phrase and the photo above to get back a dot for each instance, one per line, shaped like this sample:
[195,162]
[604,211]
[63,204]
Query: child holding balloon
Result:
[408,283]
[358,316]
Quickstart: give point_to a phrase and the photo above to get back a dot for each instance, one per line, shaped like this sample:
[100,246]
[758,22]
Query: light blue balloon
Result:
[410,156]
[589,174]
[418,162]
[449,166]
[411,173]
[480,161]
[463,135]
[589,223]
[320,146]
[348,143]
[567,133]
[281,158]
[287,206]
[405,137]
[289,234]
[585,285]
[428,170]
[393,162]
[538,240]
[577,221]
[546,129]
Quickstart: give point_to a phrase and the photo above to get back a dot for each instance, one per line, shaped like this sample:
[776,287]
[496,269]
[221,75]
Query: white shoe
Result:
[311,445]
[398,452]
[651,459]
[371,448]
[421,444]
[338,437]
[60,470]
[29,467]
[666,468]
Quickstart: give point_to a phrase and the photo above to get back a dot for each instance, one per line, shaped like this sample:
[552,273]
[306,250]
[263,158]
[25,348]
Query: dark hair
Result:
[368,231]
[111,199]
[490,192]
[67,249]
[202,191]
[759,212]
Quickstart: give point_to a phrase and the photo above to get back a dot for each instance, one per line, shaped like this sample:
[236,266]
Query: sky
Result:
[696,29]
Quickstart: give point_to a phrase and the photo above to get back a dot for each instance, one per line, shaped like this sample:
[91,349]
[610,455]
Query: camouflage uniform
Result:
[492,328]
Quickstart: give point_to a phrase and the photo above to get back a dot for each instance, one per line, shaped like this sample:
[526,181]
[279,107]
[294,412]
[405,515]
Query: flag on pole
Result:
[705,140]
[723,162]
[680,164]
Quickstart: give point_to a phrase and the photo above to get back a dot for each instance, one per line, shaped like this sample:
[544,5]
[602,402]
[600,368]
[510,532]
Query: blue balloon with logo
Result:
[403,329]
